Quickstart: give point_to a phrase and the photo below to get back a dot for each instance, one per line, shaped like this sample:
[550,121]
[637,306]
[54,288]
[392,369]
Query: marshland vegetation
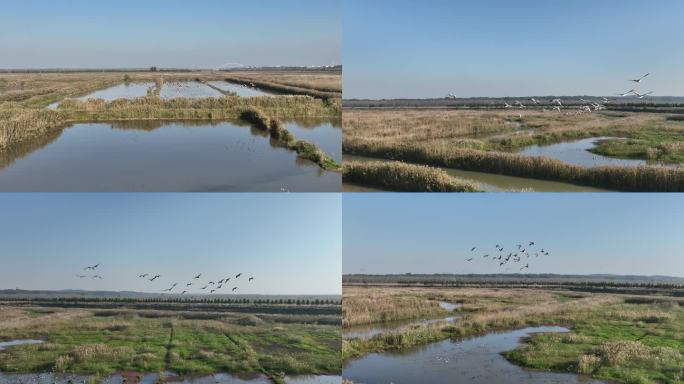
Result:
[195,341]
[623,338]
[398,176]
[488,141]
[24,97]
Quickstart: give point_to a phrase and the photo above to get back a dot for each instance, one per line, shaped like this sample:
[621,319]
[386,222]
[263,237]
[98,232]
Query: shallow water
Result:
[577,152]
[489,182]
[477,361]
[121,91]
[326,135]
[12,343]
[450,306]
[187,89]
[162,156]
[240,90]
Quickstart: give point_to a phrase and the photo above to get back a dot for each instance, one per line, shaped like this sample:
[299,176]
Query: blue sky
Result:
[411,49]
[290,243]
[585,233]
[168,33]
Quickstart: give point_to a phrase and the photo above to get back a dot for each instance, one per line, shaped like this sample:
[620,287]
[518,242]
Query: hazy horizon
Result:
[48,240]
[392,49]
[170,34]
[619,234]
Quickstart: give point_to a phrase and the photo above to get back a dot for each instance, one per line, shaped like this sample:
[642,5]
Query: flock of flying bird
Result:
[515,255]
[215,286]
[589,106]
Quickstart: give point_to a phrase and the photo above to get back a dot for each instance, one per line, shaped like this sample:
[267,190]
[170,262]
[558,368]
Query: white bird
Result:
[625,93]
[520,104]
[586,108]
[639,79]
[506,105]
[557,108]
[450,96]
[557,101]
[534,100]
[642,95]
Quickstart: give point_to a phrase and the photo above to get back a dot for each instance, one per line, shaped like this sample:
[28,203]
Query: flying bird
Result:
[93,267]
[155,277]
[198,276]
[97,277]
[234,288]
[639,79]
[144,275]
[625,93]
[250,279]
[238,275]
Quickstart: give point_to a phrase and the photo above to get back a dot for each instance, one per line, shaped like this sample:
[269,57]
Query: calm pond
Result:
[489,182]
[162,156]
[153,378]
[476,361]
[240,90]
[187,89]
[577,152]
[121,91]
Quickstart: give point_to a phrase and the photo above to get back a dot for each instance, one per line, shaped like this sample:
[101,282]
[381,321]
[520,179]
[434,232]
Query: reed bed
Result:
[642,179]
[398,176]
[19,124]
[329,81]
[286,89]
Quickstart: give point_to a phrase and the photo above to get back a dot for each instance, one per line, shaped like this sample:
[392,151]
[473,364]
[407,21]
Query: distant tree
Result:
[153,69]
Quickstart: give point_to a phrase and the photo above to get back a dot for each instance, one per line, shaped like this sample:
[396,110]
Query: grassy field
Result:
[486,141]
[103,341]
[25,118]
[625,338]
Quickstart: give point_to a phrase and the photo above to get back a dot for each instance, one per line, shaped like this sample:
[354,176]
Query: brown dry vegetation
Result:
[398,176]
[480,140]
[326,81]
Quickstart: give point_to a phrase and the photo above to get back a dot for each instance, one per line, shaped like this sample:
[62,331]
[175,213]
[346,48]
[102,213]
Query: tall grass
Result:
[398,176]
[643,179]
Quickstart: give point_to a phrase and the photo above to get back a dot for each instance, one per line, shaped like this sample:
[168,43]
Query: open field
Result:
[102,336]
[627,338]
[488,141]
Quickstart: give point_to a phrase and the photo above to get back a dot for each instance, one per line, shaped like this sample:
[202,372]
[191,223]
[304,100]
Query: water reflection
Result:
[477,361]
[240,90]
[161,156]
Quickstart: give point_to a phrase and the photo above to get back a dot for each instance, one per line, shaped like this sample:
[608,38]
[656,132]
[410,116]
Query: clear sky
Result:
[168,33]
[423,49]
[585,233]
[290,243]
